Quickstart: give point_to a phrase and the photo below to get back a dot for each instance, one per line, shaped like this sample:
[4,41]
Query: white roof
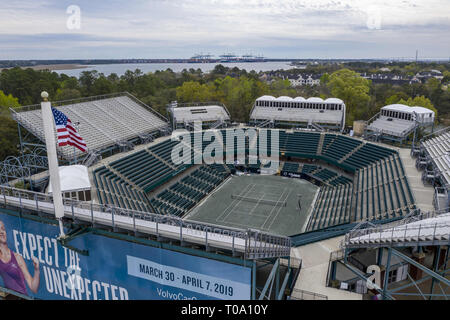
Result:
[408,109]
[210,113]
[301,99]
[74,177]
[334,100]
[265,98]
[294,114]
[314,99]
[284,98]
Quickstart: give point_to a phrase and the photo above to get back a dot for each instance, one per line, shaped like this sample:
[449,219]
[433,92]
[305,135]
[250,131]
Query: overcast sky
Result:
[38,29]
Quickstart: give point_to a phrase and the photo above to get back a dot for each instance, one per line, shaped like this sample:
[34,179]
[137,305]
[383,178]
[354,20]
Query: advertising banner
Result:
[33,263]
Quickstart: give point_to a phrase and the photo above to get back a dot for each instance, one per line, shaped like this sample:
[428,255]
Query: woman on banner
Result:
[13,269]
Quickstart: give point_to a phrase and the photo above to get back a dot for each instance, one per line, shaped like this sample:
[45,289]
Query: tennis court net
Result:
[279,203]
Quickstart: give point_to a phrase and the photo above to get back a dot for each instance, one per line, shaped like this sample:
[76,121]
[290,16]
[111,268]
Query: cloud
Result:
[279,28]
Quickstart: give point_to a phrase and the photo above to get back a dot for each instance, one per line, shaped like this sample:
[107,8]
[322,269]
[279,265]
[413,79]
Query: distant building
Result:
[304,79]
[423,76]
[390,78]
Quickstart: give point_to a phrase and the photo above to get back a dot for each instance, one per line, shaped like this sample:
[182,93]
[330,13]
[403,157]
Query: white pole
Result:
[48,121]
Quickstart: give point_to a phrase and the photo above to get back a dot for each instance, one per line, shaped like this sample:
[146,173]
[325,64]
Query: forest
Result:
[237,89]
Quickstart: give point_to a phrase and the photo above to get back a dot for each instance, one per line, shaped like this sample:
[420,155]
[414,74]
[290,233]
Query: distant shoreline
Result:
[52,67]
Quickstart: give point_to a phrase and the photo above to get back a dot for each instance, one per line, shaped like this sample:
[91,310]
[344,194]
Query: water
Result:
[120,69]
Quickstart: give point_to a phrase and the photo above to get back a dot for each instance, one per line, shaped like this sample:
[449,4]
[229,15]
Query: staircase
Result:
[320,145]
[91,158]
[131,183]
[348,155]
[317,127]
[265,123]
[217,124]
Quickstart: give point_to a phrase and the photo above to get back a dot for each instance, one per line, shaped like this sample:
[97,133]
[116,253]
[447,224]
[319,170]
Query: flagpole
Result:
[48,121]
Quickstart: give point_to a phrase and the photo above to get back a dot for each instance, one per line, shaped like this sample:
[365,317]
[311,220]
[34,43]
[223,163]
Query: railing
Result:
[337,255]
[298,294]
[254,244]
[440,192]
[396,227]
[142,104]
[426,233]
[434,134]
[374,117]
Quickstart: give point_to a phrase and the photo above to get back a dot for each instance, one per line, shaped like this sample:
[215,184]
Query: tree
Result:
[353,89]
[420,101]
[9,137]
[396,98]
[193,91]
[66,94]
[6,102]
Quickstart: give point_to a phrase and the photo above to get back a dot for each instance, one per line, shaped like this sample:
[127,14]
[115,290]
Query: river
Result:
[120,69]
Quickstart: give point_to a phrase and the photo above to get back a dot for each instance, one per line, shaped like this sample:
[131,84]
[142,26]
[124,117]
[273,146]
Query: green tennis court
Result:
[268,203]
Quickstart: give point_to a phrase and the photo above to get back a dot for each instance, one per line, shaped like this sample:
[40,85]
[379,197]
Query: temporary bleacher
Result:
[398,120]
[436,149]
[210,115]
[299,112]
[424,229]
[103,121]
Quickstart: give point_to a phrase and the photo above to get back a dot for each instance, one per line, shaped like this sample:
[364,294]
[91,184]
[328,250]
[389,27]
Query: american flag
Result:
[67,135]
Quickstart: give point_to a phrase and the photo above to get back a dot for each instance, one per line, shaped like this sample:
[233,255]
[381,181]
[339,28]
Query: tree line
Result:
[237,89]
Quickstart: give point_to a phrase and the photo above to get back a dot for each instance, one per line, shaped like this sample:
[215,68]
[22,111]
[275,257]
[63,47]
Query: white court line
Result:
[257,204]
[237,203]
[254,215]
[218,219]
[289,193]
[278,211]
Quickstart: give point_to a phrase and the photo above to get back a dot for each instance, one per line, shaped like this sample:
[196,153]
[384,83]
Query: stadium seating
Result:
[336,147]
[113,190]
[379,191]
[367,154]
[102,122]
[325,175]
[382,191]
[186,193]
[290,167]
[299,144]
[332,207]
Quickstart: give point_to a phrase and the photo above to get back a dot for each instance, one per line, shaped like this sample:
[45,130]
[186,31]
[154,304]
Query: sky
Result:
[112,29]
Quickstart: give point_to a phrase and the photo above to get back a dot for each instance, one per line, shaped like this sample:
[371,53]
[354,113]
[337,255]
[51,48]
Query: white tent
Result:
[73,178]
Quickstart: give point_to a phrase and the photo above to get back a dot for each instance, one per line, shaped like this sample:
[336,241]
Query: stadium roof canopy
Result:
[299,110]
[73,178]
[300,99]
[408,109]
